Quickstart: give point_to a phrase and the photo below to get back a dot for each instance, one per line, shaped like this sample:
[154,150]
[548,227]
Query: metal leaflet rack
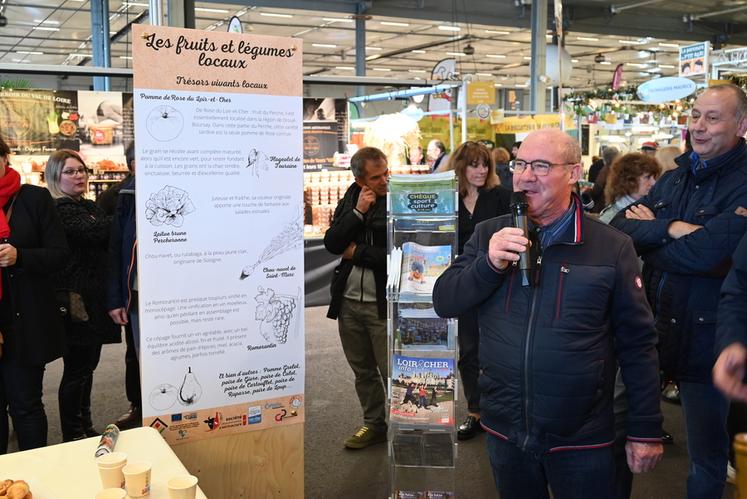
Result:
[422,223]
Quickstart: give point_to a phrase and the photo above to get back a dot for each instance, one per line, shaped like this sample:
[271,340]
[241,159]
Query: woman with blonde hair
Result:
[502,158]
[665,156]
[480,198]
[630,178]
[80,286]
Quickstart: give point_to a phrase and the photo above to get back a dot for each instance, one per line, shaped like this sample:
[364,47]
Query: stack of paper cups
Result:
[110,469]
[183,487]
[137,478]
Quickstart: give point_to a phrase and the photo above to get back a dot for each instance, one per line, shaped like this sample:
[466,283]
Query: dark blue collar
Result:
[696,163]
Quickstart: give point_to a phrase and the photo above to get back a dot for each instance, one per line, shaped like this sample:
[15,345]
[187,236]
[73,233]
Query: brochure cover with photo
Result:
[421,266]
[421,329]
[431,194]
[422,390]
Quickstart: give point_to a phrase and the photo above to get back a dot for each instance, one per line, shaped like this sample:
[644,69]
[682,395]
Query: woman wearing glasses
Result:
[80,289]
[480,198]
[32,247]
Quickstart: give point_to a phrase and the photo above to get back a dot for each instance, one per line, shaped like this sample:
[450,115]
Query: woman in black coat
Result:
[480,198]
[32,248]
[80,286]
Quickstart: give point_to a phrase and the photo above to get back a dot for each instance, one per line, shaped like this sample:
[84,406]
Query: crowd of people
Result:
[56,269]
[647,283]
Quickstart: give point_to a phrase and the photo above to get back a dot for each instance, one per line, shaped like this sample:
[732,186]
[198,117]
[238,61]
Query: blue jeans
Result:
[707,439]
[570,474]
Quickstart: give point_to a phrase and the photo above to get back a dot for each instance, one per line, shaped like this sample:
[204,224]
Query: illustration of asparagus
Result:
[290,238]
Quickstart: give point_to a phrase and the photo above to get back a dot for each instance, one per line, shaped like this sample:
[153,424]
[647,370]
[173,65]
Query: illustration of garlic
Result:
[191,390]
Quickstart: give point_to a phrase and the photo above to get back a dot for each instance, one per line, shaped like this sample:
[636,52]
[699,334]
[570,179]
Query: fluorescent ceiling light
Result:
[666,66]
[134,4]
[215,11]
[606,63]
[630,42]
[373,48]
[654,70]
[20,60]
[496,56]
[126,57]
[381,69]
[274,14]
[493,32]
[418,51]
[81,55]
[484,74]
[671,45]
[637,64]
[456,54]
[575,60]
[29,52]
[527,58]
[522,85]
[324,45]
[418,78]
[46,21]
[445,27]
[372,57]
[497,84]
[345,68]
[337,20]
[392,23]
[45,28]
[587,38]
[417,71]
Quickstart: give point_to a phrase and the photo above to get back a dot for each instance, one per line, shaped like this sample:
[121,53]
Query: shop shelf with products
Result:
[101,180]
[423,384]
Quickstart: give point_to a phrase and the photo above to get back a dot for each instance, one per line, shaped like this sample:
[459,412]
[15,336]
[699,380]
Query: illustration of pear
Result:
[52,123]
[191,390]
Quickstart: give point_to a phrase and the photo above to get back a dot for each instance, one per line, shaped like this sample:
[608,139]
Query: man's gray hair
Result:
[359,159]
[609,154]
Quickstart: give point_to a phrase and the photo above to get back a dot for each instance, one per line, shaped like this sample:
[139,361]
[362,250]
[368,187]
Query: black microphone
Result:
[519,207]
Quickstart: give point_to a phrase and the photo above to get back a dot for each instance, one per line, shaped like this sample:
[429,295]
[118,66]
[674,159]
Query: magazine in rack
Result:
[421,266]
[431,194]
[422,390]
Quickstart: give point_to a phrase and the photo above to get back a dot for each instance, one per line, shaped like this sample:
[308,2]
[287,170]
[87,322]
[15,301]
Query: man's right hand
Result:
[505,246]
[728,372]
[119,316]
[366,199]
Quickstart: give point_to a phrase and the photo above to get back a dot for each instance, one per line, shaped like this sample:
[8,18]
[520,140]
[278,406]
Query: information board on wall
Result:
[218,133]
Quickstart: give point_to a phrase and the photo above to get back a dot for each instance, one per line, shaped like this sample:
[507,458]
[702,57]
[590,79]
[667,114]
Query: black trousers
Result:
[74,395]
[21,397]
[469,362]
[132,369]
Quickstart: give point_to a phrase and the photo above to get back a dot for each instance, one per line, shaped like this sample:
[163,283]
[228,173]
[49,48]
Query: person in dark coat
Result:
[686,230]
[549,347]
[358,289]
[502,158]
[107,200]
[81,284]
[480,198]
[33,248]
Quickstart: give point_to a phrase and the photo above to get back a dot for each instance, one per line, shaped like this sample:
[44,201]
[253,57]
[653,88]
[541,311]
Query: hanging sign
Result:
[218,135]
[480,92]
[665,89]
[694,59]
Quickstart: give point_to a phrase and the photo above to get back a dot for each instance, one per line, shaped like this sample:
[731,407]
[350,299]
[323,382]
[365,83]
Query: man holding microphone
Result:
[552,332]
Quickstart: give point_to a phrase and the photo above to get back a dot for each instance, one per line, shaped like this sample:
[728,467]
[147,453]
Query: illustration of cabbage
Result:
[168,206]
[191,390]
[290,238]
[275,313]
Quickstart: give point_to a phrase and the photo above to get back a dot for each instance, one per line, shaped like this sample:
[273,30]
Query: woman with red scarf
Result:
[32,248]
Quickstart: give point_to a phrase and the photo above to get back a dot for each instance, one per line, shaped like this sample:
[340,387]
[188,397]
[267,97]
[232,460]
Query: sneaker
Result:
[130,419]
[364,437]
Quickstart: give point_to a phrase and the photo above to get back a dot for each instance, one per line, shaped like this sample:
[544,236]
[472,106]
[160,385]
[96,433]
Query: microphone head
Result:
[518,198]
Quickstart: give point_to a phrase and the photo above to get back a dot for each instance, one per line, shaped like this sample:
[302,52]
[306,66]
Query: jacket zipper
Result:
[559,297]
[510,288]
[527,348]
[659,289]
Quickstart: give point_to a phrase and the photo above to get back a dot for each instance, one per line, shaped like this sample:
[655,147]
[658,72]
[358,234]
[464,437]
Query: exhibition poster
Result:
[218,131]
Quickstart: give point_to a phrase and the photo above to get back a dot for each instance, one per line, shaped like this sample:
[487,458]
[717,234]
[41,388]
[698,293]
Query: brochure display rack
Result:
[423,376]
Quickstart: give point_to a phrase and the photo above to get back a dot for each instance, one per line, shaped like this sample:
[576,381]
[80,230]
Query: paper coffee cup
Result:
[137,478]
[110,469]
[115,493]
[183,487]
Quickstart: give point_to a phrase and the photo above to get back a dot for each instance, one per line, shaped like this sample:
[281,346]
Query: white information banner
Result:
[218,130]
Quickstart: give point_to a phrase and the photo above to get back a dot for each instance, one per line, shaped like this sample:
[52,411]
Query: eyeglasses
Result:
[71,172]
[539,166]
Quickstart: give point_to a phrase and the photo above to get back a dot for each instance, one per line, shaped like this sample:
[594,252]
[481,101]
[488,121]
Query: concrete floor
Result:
[333,414]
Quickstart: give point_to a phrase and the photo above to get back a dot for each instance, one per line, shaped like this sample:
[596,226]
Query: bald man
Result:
[549,350]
